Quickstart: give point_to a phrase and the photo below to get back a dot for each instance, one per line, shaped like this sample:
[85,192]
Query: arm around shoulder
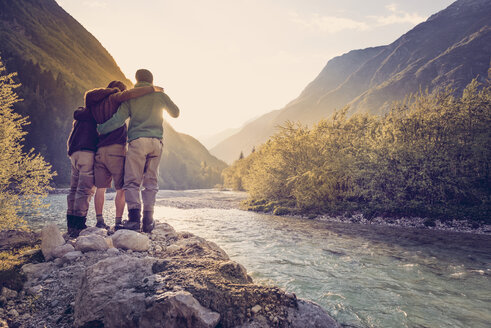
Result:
[169,105]
[132,93]
[116,121]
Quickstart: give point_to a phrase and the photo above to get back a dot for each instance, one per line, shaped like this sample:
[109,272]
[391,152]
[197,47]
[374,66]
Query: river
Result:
[364,276]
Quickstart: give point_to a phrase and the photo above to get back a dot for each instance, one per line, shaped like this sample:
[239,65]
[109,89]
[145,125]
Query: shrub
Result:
[24,176]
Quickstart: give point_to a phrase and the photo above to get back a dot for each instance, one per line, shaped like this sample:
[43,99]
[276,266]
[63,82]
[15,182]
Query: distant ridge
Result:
[448,50]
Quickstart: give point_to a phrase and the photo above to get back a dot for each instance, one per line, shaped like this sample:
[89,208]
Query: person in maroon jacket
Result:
[81,145]
[111,147]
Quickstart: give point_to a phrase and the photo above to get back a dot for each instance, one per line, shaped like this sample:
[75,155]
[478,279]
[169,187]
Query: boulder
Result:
[50,239]
[108,292]
[36,271]
[71,256]
[93,231]
[59,251]
[234,271]
[89,243]
[310,312]
[176,310]
[131,240]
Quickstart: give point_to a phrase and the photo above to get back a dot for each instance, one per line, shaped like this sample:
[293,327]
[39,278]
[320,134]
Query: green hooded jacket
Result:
[145,114]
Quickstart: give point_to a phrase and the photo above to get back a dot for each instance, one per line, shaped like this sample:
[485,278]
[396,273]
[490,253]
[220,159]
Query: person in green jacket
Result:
[145,133]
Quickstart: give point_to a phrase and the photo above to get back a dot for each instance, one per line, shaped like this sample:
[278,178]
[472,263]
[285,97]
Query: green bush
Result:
[24,176]
[429,156]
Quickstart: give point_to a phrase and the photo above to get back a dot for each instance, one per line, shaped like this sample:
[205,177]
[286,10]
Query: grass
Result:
[12,261]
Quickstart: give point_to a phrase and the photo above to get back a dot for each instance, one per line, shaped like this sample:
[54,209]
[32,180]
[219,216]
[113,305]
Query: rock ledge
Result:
[164,279]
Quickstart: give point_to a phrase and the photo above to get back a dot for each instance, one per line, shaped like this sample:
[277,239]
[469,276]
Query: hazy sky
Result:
[224,62]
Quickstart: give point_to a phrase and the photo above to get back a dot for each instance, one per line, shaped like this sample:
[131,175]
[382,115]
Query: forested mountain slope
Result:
[57,60]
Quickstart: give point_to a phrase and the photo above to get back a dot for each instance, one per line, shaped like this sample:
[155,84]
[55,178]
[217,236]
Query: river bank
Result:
[227,199]
[167,278]
[232,199]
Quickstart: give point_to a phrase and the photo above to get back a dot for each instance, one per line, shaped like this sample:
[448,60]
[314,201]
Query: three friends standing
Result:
[99,154]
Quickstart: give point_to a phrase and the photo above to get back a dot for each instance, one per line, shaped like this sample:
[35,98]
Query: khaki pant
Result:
[109,165]
[141,169]
[82,183]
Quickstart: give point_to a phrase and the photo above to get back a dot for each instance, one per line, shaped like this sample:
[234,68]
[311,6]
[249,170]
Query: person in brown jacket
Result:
[111,147]
[81,146]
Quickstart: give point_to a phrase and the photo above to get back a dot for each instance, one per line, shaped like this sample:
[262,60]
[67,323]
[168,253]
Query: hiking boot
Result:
[75,225]
[133,222]
[102,225]
[148,222]
[118,224]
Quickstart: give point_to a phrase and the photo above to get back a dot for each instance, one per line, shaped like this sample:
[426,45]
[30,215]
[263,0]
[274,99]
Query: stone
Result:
[71,256]
[176,310]
[35,290]
[50,239]
[130,240]
[113,304]
[113,251]
[25,316]
[109,242]
[310,312]
[234,271]
[93,231]
[37,271]
[61,250]
[256,308]
[90,243]
[9,293]
[13,313]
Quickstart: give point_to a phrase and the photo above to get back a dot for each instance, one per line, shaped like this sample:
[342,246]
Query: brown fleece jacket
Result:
[104,102]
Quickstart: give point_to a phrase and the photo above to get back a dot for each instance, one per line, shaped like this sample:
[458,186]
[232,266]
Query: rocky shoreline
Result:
[162,279]
[461,226]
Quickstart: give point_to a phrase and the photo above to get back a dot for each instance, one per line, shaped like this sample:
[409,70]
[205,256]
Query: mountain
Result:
[57,60]
[210,141]
[448,50]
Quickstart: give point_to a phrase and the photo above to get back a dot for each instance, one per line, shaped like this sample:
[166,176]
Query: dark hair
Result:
[144,75]
[117,84]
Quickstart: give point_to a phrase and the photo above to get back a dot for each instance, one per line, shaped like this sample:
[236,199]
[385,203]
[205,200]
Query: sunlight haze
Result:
[225,62]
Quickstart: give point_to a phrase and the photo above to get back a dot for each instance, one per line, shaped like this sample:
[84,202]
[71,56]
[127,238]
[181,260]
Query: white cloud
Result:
[328,24]
[397,16]
[334,24]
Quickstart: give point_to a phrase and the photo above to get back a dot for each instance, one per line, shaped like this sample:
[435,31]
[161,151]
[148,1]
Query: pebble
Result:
[9,293]
[291,295]
[256,308]
[112,251]
[13,313]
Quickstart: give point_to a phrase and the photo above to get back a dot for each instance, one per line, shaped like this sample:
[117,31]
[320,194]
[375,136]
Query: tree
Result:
[24,176]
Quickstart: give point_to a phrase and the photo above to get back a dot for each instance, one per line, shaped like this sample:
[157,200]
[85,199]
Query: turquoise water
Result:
[364,276]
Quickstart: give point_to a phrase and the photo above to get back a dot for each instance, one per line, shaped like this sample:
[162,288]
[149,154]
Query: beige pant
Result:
[109,165]
[141,169]
[82,183]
